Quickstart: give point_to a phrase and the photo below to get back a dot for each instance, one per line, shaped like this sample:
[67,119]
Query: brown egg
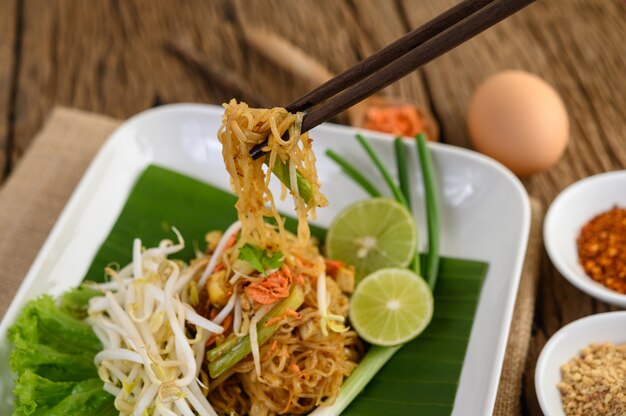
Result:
[520,120]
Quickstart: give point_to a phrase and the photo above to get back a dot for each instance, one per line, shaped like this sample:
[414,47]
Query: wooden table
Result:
[113,57]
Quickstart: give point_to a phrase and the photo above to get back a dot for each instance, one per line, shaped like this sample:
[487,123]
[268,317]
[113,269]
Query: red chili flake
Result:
[602,249]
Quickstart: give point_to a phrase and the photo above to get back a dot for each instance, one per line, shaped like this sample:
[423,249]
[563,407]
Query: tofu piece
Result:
[212,239]
[217,287]
[345,279]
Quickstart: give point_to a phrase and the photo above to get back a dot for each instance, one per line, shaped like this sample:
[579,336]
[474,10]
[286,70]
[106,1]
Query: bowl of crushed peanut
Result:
[581,370]
[585,236]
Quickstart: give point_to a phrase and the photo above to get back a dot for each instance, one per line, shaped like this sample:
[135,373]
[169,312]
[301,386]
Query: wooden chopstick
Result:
[377,75]
[386,55]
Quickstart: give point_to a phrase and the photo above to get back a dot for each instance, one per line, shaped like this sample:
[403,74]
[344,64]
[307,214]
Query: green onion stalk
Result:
[305,189]
[354,174]
[403,179]
[234,349]
[432,211]
[395,190]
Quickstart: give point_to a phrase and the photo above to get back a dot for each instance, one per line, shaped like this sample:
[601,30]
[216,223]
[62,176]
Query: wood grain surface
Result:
[8,35]
[114,57]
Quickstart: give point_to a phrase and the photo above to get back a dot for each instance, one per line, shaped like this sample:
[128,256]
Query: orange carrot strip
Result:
[211,340]
[275,320]
[332,266]
[291,312]
[231,241]
[286,271]
[271,350]
[288,404]
[226,324]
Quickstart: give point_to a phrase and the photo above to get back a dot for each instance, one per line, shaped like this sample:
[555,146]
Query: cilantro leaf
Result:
[259,258]
[273,262]
[252,254]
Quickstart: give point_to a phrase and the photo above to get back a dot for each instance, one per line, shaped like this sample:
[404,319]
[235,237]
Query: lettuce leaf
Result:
[86,398]
[51,363]
[52,356]
[42,322]
[35,396]
[75,302]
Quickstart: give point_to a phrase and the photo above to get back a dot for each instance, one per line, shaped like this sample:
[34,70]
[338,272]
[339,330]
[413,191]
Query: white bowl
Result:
[574,207]
[567,343]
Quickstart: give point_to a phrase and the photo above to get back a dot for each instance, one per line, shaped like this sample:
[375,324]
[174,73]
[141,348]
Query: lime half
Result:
[391,307]
[372,234]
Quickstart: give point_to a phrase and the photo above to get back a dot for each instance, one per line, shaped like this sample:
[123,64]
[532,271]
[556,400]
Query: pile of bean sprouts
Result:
[153,340]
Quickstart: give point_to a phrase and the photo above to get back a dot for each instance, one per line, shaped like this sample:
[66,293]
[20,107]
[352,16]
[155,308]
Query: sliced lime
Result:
[391,307]
[372,234]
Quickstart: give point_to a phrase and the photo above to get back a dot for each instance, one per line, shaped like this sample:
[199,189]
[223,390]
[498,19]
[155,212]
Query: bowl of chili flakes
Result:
[585,236]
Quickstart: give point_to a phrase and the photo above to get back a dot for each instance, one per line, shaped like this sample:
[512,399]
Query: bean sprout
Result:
[153,341]
[232,230]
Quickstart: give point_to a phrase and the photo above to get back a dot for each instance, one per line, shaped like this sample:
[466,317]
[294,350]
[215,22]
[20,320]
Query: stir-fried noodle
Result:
[242,128]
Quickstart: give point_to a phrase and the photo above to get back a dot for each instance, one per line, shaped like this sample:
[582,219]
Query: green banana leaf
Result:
[420,379]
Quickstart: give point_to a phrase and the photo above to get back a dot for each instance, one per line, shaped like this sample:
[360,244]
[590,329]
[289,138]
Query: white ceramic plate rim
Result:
[513,270]
[577,276]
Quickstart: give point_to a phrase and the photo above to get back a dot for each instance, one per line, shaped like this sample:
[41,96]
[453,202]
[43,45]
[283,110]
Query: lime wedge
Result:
[372,234]
[391,307]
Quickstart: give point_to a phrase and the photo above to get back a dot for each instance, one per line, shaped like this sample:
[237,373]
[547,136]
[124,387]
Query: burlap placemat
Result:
[34,195]
[36,192]
[508,401]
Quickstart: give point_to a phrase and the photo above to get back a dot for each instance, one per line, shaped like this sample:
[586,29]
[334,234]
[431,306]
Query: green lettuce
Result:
[75,302]
[87,398]
[52,357]
[36,395]
[42,322]
[50,362]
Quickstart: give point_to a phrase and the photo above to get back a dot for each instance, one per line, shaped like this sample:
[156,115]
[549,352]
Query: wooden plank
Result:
[383,22]
[329,37]
[8,33]
[111,57]
[577,46]
[338,37]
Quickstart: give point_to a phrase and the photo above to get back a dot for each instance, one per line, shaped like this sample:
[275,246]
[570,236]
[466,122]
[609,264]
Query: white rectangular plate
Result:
[485,215]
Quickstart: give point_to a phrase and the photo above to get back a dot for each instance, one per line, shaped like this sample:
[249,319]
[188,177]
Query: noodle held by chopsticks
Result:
[242,128]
